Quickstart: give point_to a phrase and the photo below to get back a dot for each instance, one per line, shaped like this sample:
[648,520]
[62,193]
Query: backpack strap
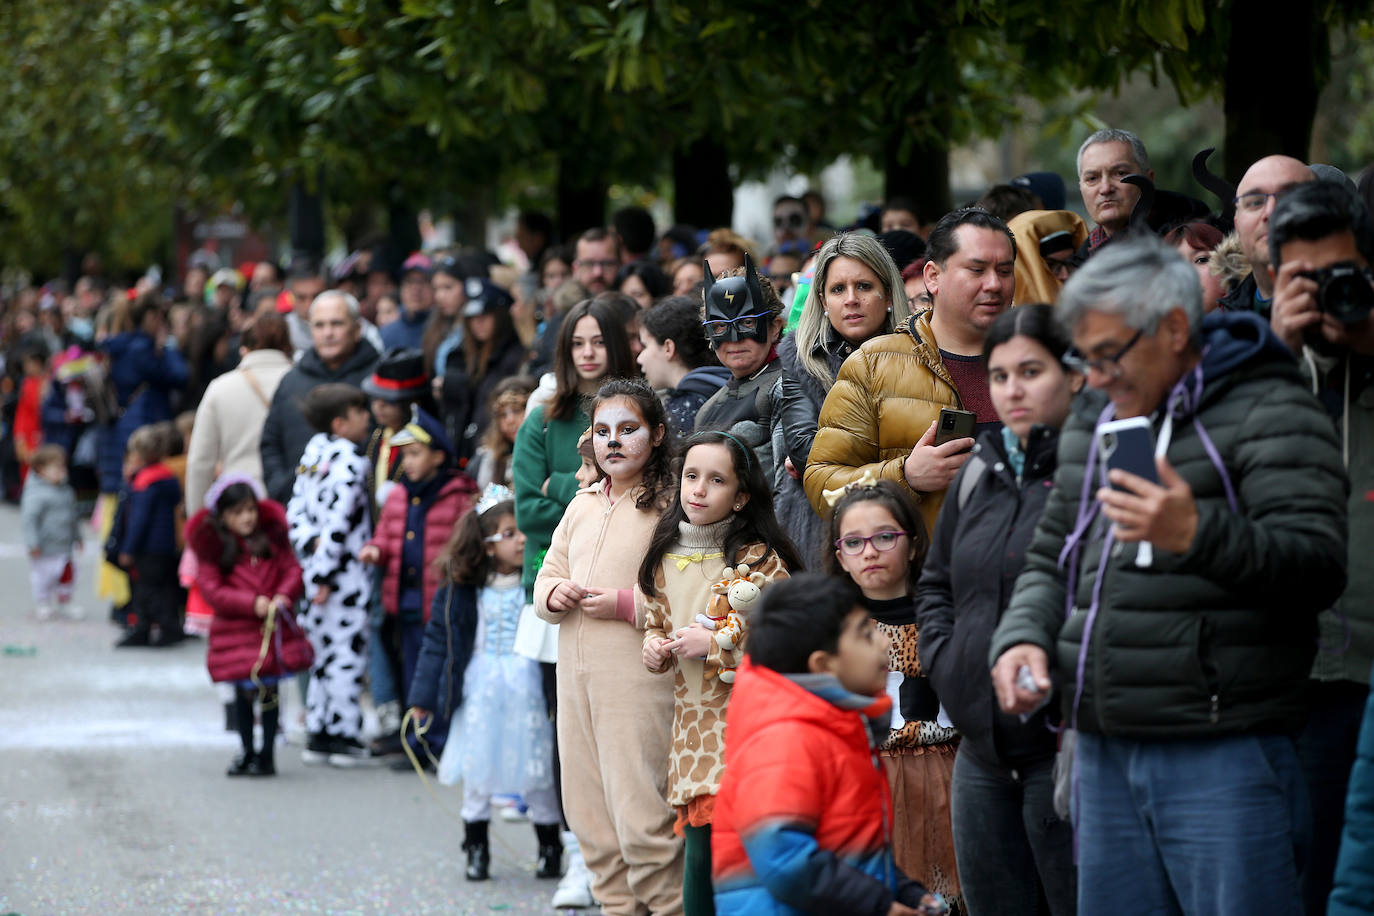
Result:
[973,472]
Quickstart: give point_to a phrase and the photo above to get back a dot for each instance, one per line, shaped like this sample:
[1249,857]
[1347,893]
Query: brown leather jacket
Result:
[886,395]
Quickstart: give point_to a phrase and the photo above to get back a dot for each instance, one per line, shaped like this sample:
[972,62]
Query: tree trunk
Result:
[581,201]
[404,228]
[1271,98]
[703,195]
[305,222]
[923,177]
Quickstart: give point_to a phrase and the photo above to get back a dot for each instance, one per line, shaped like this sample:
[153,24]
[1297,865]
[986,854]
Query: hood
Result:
[1232,340]
[762,698]
[204,539]
[362,359]
[705,380]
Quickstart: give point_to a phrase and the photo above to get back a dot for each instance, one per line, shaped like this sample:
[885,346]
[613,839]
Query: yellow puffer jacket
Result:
[887,394]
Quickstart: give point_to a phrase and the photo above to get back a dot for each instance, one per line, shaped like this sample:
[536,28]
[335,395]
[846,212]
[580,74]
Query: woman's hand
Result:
[565,596]
[691,642]
[322,595]
[655,653]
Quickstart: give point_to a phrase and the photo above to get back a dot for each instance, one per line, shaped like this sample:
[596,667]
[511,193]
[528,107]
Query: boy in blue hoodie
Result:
[148,543]
[802,823]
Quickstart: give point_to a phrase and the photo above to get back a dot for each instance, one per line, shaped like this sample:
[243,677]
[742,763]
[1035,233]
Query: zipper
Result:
[1209,671]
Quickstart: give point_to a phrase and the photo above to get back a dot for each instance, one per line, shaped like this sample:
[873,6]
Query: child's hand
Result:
[261,605]
[565,596]
[599,603]
[126,561]
[655,653]
[371,555]
[282,602]
[418,715]
[35,553]
[322,595]
[691,642]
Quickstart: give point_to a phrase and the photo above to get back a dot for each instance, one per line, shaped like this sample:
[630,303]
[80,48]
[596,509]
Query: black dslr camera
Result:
[1345,291]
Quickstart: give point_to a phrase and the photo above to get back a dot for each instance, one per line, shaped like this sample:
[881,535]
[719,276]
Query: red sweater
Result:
[454,500]
[236,631]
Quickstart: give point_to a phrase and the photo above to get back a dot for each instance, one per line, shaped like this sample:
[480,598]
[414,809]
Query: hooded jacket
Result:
[145,379]
[1216,640]
[693,390]
[285,433]
[884,399]
[456,496]
[802,823]
[236,632]
[976,553]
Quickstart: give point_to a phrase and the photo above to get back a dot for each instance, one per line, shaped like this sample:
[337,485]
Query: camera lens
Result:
[1344,292]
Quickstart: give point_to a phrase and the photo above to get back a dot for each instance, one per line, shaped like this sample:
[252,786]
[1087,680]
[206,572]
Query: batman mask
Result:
[735,309]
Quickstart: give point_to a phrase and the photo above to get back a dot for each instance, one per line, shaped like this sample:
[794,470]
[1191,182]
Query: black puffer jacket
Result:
[465,400]
[285,432]
[975,556]
[1217,640]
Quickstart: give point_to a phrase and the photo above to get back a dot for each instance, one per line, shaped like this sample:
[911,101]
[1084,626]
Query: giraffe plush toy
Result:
[733,596]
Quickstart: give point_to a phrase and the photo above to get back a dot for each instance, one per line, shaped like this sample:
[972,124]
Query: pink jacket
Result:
[455,499]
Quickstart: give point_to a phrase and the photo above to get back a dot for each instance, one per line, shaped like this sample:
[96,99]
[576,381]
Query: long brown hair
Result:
[439,325]
[465,559]
[619,363]
[477,357]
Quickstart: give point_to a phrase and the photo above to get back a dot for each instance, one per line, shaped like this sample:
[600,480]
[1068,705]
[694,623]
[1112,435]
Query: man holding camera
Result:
[1321,240]
[1179,616]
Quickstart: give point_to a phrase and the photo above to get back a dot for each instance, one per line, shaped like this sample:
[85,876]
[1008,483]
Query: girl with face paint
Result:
[615,717]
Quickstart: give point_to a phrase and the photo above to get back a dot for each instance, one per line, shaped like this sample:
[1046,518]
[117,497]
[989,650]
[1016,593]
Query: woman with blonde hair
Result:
[857,294]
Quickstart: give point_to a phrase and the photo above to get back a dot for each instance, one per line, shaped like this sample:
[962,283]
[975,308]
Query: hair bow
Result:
[867,479]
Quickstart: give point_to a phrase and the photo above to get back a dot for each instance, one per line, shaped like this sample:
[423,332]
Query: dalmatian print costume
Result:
[330,523]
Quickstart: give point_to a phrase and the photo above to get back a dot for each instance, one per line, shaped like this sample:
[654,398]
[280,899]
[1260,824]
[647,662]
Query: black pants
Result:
[156,594]
[550,672]
[1326,748]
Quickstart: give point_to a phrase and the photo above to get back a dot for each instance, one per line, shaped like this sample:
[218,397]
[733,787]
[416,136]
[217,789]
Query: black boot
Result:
[550,851]
[478,850]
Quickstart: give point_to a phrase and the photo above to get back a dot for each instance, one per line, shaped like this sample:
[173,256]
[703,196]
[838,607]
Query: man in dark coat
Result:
[1179,617]
[338,354]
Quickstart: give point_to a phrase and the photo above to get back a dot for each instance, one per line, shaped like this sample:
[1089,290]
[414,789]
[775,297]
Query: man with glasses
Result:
[1256,194]
[596,260]
[1176,618]
[1321,241]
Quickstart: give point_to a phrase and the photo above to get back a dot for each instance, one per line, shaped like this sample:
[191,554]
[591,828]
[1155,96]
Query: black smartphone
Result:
[1128,445]
[954,424]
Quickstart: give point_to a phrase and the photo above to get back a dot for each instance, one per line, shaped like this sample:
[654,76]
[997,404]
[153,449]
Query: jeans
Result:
[1327,750]
[1207,827]
[1015,854]
[381,664]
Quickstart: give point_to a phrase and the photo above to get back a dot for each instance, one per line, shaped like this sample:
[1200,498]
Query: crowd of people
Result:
[996,562]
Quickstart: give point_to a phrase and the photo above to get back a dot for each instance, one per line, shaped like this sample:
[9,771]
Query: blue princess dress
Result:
[501,740]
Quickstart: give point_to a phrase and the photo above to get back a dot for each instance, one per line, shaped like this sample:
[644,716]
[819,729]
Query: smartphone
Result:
[1128,445]
[954,424]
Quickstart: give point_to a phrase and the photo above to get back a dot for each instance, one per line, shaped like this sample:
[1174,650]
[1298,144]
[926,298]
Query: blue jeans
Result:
[1015,854]
[1202,826]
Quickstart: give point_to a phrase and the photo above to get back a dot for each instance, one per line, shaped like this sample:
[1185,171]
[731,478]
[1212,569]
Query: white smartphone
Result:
[1128,445]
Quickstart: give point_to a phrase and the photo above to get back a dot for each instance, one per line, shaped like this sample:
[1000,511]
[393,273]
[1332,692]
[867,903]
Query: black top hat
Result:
[399,376]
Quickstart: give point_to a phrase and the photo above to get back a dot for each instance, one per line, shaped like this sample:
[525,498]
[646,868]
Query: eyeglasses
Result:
[883,541]
[1254,201]
[789,221]
[745,324]
[1109,366]
[596,265]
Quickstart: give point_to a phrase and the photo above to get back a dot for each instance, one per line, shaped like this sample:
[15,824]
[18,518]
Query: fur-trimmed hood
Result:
[203,538]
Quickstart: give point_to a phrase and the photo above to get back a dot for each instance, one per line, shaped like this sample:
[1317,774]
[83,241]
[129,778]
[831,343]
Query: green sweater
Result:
[545,450]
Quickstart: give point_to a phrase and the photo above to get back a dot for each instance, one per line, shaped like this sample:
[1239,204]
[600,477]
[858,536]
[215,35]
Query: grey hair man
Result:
[1105,158]
[1177,615]
[338,353]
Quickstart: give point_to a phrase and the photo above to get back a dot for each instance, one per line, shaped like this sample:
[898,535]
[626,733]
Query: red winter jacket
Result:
[236,631]
[455,498]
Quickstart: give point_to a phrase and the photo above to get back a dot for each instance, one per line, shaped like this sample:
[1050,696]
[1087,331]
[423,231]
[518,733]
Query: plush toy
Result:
[731,598]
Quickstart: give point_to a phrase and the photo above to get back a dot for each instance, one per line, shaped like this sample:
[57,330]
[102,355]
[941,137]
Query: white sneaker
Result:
[73,612]
[575,888]
[44,612]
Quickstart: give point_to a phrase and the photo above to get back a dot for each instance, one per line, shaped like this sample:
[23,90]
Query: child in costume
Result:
[614,717]
[803,818]
[249,576]
[412,537]
[329,526]
[500,739]
[52,531]
[880,543]
[723,516]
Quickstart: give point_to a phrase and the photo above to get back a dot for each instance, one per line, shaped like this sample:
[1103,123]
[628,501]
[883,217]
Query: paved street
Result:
[113,798]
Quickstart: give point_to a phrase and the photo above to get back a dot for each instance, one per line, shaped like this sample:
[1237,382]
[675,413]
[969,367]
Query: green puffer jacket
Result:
[545,450]
[1345,643]
[1217,640]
